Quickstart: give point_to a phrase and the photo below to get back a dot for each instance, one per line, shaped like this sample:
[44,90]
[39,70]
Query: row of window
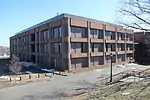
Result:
[98,47]
[95,33]
[55,47]
[51,33]
[95,61]
[41,36]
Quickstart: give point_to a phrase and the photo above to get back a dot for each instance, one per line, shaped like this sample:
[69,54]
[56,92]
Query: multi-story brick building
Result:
[73,43]
[142,47]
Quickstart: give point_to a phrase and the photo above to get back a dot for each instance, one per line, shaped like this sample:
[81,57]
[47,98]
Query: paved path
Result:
[59,87]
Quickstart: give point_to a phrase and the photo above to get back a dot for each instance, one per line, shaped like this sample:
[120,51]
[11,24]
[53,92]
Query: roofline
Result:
[65,15]
[89,19]
[41,23]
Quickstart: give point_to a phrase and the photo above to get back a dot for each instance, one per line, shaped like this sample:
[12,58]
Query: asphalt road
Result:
[59,87]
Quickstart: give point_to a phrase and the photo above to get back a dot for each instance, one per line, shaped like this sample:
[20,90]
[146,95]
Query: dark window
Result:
[111,46]
[55,47]
[106,46]
[37,47]
[32,37]
[78,32]
[82,48]
[100,34]
[32,48]
[92,47]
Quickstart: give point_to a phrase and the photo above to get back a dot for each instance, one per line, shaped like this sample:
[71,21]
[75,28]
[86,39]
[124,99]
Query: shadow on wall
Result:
[4,68]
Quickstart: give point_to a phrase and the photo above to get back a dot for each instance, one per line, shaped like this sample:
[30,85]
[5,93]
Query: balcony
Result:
[77,39]
[96,40]
[121,41]
[121,52]
[109,52]
[96,54]
[130,51]
[129,42]
[110,41]
[78,55]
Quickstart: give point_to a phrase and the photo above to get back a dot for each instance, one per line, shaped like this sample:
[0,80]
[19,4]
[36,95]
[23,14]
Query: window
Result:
[42,48]
[83,47]
[37,36]
[55,47]
[32,37]
[107,33]
[110,35]
[78,32]
[41,36]
[44,35]
[106,47]
[111,47]
[55,32]
[123,36]
[92,47]
[100,34]
[37,47]
[118,36]
[93,31]
[32,48]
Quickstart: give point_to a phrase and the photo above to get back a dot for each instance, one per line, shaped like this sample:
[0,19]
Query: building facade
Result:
[72,43]
[142,47]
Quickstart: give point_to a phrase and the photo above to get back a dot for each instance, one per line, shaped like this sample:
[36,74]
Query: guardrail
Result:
[121,75]
[25,77]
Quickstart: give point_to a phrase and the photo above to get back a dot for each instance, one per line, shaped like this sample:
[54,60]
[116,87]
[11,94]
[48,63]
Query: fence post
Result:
[10,79]
[38,76]
[29,76]
[19,78]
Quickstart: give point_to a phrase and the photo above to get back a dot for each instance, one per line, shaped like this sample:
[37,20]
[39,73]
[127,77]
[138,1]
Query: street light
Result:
[111,55]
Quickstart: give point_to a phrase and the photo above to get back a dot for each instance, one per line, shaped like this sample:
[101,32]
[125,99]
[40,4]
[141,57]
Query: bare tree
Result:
[134,14]
[15,66]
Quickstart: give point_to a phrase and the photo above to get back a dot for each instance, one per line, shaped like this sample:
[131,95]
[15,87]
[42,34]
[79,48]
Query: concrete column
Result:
[133,45]
[39,47]
[125,47]
[116,45]
[69,46]
[36,59]
[29,47]
[104,46]
[49,49]
[89,47]
[35,42]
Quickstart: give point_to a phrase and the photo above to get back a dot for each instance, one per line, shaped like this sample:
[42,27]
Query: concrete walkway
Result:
[59,87]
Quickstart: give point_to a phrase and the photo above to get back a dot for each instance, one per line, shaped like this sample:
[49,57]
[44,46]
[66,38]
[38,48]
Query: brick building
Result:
[72,42]
[142,47]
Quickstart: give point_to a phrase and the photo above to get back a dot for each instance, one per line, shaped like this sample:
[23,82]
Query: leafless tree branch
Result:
[15,66]
[137,12]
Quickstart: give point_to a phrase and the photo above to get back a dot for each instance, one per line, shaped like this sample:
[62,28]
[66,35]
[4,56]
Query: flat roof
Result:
[65,15]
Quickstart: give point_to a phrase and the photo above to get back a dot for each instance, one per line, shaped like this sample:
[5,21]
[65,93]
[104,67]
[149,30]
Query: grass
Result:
[119,91]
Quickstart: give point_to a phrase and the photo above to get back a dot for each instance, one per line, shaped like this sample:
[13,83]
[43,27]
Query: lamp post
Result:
[111,55]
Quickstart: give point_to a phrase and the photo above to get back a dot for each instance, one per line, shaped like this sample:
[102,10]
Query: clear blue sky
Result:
[16,15]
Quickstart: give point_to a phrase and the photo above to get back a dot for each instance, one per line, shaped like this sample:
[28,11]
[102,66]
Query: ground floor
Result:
[76,63]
